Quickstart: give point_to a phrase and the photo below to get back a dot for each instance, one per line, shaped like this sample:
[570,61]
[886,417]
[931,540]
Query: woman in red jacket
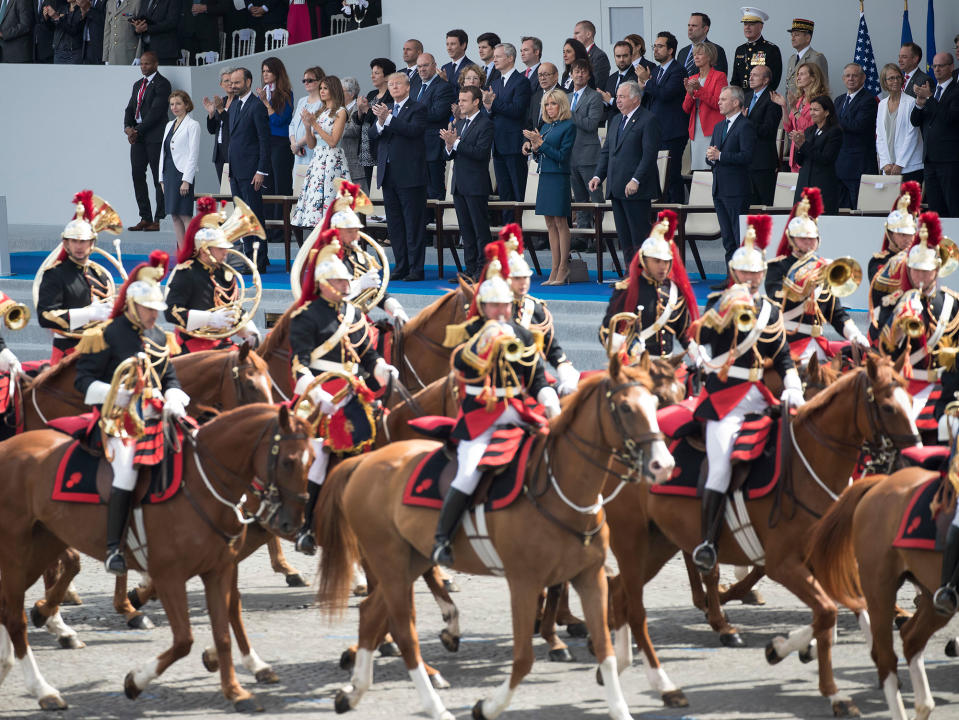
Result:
[702,102]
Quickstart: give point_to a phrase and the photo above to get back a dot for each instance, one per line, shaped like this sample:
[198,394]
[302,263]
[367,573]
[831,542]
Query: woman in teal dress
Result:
[551,147]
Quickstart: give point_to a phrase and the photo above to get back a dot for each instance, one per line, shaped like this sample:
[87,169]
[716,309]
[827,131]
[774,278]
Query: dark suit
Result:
[612,85]
[630,152]
[587,116]
[146,150]
[42,34]
[471,189]
[16,33]
[817,160]
[665,100]
[508,113]
[93,32]
[221,140]
[731,185]
[535,116]
[491,74]
[67,33]
[249,154]
[201,32]
[682,57]
[916,77]
[275,17]
[401,172]
[162,18]
[452,77]
[437,96]
[533,77]
[599,61]
[939,120]
[857,156]
[765,117]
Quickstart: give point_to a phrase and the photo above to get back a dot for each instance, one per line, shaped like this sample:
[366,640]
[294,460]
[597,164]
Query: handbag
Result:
[578,271]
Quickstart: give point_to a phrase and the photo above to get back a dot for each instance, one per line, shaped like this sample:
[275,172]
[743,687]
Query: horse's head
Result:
[251,377]
[890,414]
[662,371]
[818,376]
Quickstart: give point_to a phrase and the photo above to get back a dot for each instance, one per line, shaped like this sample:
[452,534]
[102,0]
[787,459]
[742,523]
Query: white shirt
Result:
[852,95]
[507,74]
[149,78]
[456,143]
[532,70]
[802,52]
[942,85]
[397,106]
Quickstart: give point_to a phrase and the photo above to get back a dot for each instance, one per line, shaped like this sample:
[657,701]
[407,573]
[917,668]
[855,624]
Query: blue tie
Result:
[752,104]
[938,92]
[622,125]
[396,110]
[722,136]
[575,100]
[420,93]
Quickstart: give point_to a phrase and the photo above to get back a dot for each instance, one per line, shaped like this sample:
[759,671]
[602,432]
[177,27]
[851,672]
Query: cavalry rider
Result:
[741,330]
[131,330]
[494,383]
[946,599]
[328,334]
[73,292]
[899,230]
[531,313]
[794,281]
[8,361]
[203,290]
[658,291]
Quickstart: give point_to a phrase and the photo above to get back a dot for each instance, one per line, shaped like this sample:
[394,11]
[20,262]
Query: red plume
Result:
[933,228]
[512,229]
[814,195]
[672,219]
[915,196]
[206,205]
[86,198]
[496,250]
[763,225]
[307,286]
[158,259]
[346,187]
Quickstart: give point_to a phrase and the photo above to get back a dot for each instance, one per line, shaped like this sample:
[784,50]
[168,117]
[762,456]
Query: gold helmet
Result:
[328,264]
[751,255]
[924,253]
[659,243]
[345,218]
[92,215]
[902,219]
[349,200]
[512,237]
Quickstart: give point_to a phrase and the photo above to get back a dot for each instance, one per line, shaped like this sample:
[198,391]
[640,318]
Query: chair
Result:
[207,58]
[704,226]
[662,165]
[878,193]
[601,131]
[785,189]
[276,39]
[222,44]
[184,58]
[244,41]
[339,24]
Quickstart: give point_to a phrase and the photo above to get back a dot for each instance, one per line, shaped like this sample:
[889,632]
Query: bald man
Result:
[937,113]
[436,95]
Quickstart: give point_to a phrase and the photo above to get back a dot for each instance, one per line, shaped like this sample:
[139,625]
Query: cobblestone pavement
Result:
[288,632]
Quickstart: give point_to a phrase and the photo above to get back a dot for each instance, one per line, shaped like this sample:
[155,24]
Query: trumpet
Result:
[508,348]
[745,319]
[15,315]
[908,315]
[843,276]
[129,375]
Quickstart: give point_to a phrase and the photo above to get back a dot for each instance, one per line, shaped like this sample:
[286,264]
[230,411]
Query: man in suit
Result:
[143,122]
[156,25]
[412,49]
[663,90]
[696,30]
[42,33]
[456,41]
[531,53]
[937,113]
[266,15]
[94,17]
[628,164]
[249,152]
[401,173]
[585,32]
[910,55]
[67,23]
[800,35]
[469,144]
[436,95]
[757,50]
[547,76]
[588,114]
[730,154]
[765,116]
[119,38]
[622,56]
[485,45]
[199,26]
[507,102]
[16,31]
[856,111]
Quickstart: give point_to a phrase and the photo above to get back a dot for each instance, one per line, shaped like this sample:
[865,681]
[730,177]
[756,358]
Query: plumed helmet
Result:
[349,196]
[902,219]
[802,222]
[512,237]
[751,255]
[142,286]
[659,243]
[494,288]
[924,253]
[204,230]
[345,218]
[328,264]
[80,227]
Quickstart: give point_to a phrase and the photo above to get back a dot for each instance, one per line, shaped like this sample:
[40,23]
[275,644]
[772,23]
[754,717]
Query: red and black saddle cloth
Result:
[503,464]
[926,421]
[930,510]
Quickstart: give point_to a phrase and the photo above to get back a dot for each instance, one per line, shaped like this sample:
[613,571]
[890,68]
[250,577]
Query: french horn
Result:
[306,409]
[608,334]
[15,315]
[948,256]
[124,422]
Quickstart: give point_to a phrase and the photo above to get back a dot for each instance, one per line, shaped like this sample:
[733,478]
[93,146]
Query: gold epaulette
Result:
[184,265]
[456,334]
[946,354]
[881,254]
[538,340]
[92,340]
[172,345]
[300,309]
[622,284]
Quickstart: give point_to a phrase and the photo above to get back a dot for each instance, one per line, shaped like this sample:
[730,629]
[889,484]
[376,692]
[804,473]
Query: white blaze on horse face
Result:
[905,402]
[661,462]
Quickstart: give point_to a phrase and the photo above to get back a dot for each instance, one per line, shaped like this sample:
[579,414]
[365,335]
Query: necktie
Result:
[466,126]
[3,9]
[622,125]
[938,92]
[420,93]
[396,110]
[619,79]
[905,79]
[752,104]
[143,87]
[659,78]
[722,137]
[689,61]
[527,71]
[576,100]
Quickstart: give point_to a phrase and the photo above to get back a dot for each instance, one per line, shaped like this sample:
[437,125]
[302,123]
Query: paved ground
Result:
[303,648]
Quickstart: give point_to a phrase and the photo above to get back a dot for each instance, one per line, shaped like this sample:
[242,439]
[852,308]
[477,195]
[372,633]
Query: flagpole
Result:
[861,9]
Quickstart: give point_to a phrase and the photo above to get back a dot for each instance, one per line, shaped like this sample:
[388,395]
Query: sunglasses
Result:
[307,81]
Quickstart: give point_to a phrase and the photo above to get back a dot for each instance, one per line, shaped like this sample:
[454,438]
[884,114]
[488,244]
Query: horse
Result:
[866,406]
[853,557]
[255,448]
[553,532]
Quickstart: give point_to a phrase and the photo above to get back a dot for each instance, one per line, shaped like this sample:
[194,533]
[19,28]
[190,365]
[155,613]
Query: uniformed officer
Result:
[757,50]
[899,230]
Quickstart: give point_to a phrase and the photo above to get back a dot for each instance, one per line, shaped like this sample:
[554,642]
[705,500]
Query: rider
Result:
[493,387]
[946,599]
[130,331]
[899,230]
[794,282]
[328,334]
[733,339]
[204,288]
[73,292]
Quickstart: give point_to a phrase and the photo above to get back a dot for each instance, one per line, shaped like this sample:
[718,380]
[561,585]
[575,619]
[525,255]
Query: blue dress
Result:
[553,192]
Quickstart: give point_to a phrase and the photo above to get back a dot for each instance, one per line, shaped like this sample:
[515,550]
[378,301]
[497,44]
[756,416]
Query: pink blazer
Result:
[793,123]
[708,96]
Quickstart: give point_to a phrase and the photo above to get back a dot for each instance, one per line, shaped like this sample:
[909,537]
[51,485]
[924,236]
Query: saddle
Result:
[926,519]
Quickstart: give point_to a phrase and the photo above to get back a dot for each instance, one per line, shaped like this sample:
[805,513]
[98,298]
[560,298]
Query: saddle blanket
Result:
[924,521]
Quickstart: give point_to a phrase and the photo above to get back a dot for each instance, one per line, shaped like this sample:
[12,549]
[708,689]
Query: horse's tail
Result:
[830,553]
[337,540]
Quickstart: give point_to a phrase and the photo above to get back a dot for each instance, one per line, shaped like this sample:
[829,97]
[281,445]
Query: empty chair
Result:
[662,166]
[207,58]
[276,39]
[184,58]
[785,189]
[701,225]
[222,44]
[243,42]
[878,193]
[339,24]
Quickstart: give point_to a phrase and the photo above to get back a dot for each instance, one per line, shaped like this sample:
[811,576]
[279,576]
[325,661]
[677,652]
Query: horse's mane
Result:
[825,397]
[52,372]
[278,337]
[572,403]
[426,314]
[230,418]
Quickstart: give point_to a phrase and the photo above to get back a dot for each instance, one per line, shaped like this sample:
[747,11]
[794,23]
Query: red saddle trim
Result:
[911,519]
[72,424]
[437,427]
[920,455]
[672,418]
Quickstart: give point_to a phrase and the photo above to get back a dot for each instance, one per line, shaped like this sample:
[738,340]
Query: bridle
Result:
[437,348]
[234,372]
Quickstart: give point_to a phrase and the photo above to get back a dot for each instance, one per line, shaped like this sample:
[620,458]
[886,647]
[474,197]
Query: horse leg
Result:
[695,583]
[742,589]
[46,611]
[281,566]
[715,615]
[558,651]
[564,616]
[124,606]
[915,635]
[450,635]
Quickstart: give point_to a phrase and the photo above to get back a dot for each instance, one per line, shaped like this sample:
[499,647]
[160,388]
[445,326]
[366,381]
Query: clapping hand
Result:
[777,98]
[488,97]
[442,74]
[261,93]
[642,73]
[362,104]
[692,85]
[140,26]
[209,106]
[307,117]
[605,95]
[923,92]
[455,110]
[257,11]
[449,136]
[535,139]
[797,137]
[381,110]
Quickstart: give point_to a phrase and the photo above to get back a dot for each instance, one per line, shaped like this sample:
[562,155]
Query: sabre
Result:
[407,397]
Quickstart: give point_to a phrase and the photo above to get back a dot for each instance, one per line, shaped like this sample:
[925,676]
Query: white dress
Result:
[328,163]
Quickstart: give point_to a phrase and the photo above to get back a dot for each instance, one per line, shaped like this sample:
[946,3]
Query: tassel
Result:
[456,334]
[92,340]
[172,345]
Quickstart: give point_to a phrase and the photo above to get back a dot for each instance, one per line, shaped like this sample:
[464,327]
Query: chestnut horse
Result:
[853,557]
[190,534]
[541,538]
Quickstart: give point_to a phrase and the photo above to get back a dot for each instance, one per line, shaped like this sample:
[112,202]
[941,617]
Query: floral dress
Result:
[328,164]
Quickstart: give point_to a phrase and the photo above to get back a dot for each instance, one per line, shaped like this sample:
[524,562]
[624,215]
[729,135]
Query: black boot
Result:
[305,540]
[117,512]
[946,600]
[454,505]
[704,556]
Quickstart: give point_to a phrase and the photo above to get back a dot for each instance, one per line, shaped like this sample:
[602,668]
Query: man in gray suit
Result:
[16,31]
[800,34]
[588,114]
[120,41]
[910,55]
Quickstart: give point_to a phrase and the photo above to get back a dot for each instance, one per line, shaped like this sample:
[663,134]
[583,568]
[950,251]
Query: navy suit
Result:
[93,26]
[42,34]
[939,121]
[766,116]
[508,113]
[146,150]
[401,172]
[16,46]
[664,98]
[249,153]
[731,183]
[630,152]
[857,156]
[162,20]
[612,85]
[471,189]
[436,97]
[452,77]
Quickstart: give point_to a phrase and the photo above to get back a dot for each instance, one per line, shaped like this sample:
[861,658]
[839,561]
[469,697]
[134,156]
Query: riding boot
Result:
[705,556]
[946,600]
[117,512]
[455,503]
[305,540]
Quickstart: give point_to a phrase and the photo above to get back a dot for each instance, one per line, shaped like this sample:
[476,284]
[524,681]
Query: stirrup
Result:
[442,554]
[305,542]
[115,564]
[946,600]
[704,557]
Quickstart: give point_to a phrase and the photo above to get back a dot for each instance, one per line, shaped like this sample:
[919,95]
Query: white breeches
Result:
[813,348]
[317,472]
[721,436]
[470,452]
[121,454]
[920,399]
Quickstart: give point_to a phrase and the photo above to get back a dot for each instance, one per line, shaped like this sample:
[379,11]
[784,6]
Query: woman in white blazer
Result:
[178,162]
[898,142]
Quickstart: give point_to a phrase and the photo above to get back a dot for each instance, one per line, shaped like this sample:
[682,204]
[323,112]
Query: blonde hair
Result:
[562,99]
[819,86]
[480,73]
[707,48]
[185,97]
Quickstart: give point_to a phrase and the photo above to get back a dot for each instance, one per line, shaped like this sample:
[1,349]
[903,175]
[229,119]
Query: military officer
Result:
[757,50]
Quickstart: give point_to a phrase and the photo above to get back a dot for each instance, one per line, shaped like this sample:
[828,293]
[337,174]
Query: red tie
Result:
[527,71]
[143,87]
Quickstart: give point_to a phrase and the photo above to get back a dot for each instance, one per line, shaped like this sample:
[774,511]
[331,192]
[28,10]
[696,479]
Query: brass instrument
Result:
[307,410]
[607,333]
[129,375]
[843,276]
[508,348]
[948,255]
[745,319]
[907,316]
[15,315]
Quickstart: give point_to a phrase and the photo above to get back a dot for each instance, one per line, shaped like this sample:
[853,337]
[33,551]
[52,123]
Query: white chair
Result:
[184,58]
[785,189]
[662,165]
[276,39]
[222,44]
[878,193]
[602,134]
[207,58]
[701,225]
[339,24]
[244,41]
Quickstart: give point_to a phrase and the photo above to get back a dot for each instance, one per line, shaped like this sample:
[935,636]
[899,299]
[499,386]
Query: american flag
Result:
[865,58]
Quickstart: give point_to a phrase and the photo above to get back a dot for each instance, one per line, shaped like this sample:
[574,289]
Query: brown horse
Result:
[554,532]
[853,557]
[866,406]
[190,534]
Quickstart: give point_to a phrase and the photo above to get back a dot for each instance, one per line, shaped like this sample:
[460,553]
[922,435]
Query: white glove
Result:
[96,393]
[792,389]
[9,363]
[854,335]
[251,333]
[318,395]
[693,358]
[383,371]
[568,378]
[175,402]
[219,319]
[94,312]
[123,397]
[548,398]
[369,279]
[396,311]
[948,427]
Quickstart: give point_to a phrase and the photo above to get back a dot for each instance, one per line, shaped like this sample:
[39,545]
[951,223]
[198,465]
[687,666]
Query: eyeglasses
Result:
[307,81]
[547,74]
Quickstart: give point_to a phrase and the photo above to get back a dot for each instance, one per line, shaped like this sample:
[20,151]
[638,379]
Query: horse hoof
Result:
[599,678]
[36,617]
[952,649]
[731,640]
[295,580]
[478,711]
[772,657]
[844,708]
[52,702]
[71,642]
[439,682]
[560,655]
[210,660]
[266,676]
[806,655]
[347,659]
[450,586]
[247,705]
[72,598]
[754,597]
[675,699]
[130,688]
[389,649]
[342,702]
[450,641]
[140,622]
[577,630]
[134,597]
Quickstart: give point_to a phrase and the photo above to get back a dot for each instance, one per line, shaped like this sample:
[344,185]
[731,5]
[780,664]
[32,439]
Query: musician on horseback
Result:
[946,598]
[9,363]
[739,331]
[497,363]
[329,335]
[797,281]
[131,332]
[899,230]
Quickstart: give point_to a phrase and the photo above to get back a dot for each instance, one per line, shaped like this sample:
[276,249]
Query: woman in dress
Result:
[701,102]
[353,135]
[178,161]
[816,152]
[898,142]
[810,82]
[302,153]
[324,131]
[380,69]
[573,49]
[551,147]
